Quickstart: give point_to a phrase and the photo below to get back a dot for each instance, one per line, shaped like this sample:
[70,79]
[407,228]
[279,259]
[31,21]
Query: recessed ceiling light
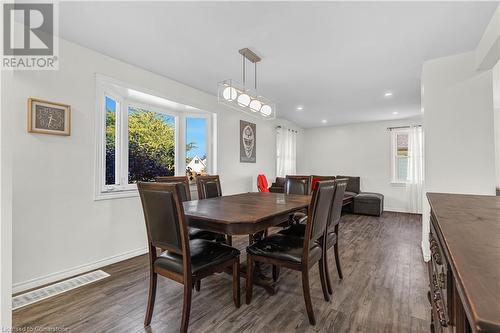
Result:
[324,121]
[300,108]
[395,112]
[388,94]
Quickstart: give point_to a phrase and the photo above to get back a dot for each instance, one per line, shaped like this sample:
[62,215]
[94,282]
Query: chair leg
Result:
[337,259]
[197,285]
[229,240]
[249,282]
[307,296]
[153,277]
[236,282]
[322,277]
[276,273]
[186,308]
[327,273]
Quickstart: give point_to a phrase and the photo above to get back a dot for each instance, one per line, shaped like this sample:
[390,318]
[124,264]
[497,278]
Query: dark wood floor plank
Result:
[383,290]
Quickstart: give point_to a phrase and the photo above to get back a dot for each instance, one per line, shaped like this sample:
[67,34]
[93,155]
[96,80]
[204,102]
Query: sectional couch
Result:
[366,203]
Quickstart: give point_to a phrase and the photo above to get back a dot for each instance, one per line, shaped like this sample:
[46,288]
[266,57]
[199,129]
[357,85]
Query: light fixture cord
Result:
[243,69]
[255,76]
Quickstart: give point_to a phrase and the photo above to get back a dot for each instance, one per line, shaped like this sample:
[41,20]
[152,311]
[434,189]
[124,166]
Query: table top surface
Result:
[252,207]
[470,227]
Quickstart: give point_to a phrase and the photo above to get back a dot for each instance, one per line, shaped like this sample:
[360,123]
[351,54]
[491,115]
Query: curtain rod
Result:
[400,127]
[290,129]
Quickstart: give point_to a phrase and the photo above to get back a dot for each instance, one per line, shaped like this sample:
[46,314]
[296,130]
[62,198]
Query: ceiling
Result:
[335,59]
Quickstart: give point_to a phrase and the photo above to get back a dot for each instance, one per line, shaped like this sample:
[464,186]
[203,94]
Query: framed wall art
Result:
[48,117]
[248,142]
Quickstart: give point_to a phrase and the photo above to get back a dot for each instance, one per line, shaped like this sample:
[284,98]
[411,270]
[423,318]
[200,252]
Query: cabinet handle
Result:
[435,251]
[442,280]
[438,304]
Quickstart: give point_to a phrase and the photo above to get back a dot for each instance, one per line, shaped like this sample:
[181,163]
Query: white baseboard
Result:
[70,272]
[397,210]
[425,252]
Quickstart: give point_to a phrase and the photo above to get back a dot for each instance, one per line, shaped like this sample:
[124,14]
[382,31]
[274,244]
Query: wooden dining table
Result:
[246,214]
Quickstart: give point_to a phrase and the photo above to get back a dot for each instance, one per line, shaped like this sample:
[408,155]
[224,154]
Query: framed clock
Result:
[48,117]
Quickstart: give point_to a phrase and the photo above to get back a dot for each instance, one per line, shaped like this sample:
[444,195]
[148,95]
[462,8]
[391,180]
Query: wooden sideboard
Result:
[464,270]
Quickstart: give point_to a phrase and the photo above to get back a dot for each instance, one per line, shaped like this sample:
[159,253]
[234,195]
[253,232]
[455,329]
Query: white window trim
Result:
[103,89]
[394,179]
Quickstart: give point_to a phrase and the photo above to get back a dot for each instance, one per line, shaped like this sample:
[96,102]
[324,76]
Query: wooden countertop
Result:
[470,227]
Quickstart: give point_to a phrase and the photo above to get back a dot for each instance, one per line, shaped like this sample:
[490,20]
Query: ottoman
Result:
[368,203]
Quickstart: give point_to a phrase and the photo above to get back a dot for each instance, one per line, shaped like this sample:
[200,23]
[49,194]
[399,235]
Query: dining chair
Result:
[316,179]
[209,187]
[332,235]
[185,261]
[297,253]
[194,233]
[298,185]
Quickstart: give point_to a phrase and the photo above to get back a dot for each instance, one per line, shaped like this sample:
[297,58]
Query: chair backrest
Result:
[164,216]
[208,187]
[182,180]
[319,210]
[316,179]
[262,184]
[298,185]
[338,201]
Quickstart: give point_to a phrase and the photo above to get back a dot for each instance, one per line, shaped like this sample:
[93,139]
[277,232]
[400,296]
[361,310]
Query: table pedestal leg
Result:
[262,275]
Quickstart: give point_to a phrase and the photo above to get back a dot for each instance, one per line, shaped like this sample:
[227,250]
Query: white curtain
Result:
[415,169]
[286,154]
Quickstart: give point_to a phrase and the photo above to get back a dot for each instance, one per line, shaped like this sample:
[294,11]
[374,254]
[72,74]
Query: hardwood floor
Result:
[384,290]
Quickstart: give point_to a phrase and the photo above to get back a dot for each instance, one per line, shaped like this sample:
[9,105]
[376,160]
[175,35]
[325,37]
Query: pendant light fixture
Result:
[243,98]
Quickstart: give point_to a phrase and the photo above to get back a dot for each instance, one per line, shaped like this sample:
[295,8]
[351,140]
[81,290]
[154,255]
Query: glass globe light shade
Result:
[255,105]
[229,93]
[266,110]
[243,100]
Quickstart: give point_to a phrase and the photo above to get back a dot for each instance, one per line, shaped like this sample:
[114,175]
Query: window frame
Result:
[105,88]
[394,156]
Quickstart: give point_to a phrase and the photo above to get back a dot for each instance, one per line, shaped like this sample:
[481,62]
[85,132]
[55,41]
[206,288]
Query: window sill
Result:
[116,194]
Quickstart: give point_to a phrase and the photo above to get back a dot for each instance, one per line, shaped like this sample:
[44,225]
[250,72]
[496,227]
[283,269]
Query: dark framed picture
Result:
[48,117]
[248,142]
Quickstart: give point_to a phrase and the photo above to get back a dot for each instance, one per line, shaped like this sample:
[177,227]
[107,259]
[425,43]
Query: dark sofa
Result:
[366,203]
[278,186]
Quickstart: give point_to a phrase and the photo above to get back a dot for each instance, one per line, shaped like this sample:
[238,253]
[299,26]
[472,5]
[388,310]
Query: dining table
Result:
[249,214]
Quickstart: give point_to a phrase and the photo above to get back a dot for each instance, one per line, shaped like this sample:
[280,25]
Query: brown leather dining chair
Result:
[332,235]
[298,185]
[209,187]
[194,233]
[297,253]
[185,261]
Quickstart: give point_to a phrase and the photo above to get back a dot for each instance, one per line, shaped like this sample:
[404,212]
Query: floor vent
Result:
[56,289]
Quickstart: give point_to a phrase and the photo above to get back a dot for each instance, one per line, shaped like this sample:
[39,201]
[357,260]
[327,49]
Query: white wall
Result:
[459,130]
[362,150]
[496,107]
[59,229]
[5,211]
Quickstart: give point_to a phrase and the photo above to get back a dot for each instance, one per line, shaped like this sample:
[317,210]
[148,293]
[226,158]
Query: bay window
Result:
[142,136]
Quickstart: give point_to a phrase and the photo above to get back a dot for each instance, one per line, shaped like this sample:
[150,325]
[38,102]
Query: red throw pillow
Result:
[262,183]
[315,182]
